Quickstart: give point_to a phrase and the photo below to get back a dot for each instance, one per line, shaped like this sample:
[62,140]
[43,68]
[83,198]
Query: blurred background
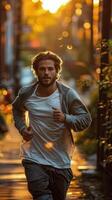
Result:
[80,32]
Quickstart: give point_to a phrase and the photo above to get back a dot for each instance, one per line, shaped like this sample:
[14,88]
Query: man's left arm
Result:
[79,117]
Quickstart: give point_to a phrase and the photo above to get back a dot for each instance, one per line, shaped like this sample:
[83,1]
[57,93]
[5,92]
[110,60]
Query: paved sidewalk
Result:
[85,184]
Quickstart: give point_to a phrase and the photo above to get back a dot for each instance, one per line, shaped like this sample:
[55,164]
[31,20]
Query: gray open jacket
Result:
[77,117]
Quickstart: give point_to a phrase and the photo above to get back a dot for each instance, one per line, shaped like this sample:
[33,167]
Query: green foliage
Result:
[87,140]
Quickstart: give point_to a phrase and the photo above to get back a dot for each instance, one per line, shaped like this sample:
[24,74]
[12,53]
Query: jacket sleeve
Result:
[18,110]
[78,118]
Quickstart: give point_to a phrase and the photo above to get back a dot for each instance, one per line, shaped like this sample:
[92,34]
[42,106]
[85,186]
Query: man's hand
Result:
[58,115]
[27,134]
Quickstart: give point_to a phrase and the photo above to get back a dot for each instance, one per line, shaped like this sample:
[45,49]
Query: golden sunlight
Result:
[54,5]
[96,2]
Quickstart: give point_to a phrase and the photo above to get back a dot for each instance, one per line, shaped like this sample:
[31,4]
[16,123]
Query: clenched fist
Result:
[58,115]
[27,134]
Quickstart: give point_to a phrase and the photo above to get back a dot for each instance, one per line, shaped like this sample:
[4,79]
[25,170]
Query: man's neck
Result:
[46,91]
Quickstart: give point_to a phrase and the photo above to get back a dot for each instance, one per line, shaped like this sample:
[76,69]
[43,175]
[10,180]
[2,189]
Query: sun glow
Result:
[53,5]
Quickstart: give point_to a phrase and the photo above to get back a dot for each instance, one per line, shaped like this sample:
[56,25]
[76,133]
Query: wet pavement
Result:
[85,185]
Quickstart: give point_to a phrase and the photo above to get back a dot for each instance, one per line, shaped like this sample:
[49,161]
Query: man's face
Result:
[46,72]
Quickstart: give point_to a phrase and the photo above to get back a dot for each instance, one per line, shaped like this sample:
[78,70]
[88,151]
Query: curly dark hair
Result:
[47,55]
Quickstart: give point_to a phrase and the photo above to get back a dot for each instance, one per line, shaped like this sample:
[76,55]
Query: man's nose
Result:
[46,71]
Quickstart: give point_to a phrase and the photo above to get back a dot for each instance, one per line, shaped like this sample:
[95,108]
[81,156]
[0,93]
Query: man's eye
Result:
[42,69]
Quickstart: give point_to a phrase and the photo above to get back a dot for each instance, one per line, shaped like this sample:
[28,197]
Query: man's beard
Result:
[47,84]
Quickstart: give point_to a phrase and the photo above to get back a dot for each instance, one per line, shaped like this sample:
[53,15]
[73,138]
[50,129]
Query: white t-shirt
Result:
[51,142]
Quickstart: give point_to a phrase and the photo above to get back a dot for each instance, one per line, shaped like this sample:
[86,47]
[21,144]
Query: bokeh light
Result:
[54,5]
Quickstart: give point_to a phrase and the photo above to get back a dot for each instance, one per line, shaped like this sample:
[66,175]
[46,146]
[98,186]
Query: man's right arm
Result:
[19,113]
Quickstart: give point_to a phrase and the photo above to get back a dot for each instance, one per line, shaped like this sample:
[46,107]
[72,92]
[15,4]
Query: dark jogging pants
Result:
[46,182]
